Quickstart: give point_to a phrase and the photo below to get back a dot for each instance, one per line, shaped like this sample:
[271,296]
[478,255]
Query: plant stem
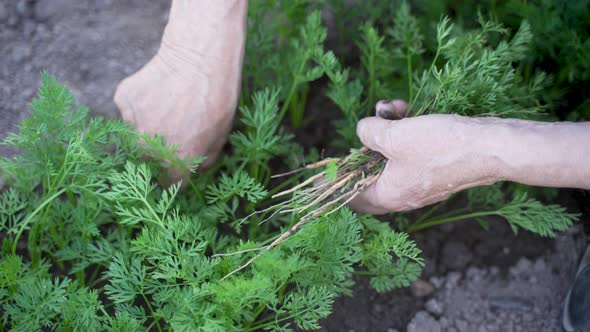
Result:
[293,89]
[410,83]
[371,69]
[413,101]
[439,221]
[428,213]
[152,312]
[265,324]
[30,218]
[257,313]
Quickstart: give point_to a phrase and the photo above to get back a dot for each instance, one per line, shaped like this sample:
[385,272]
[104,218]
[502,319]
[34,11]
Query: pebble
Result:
[434,307]
[421,288]
[423,322]
[29,28]
[3,12]
[482,329]
[377,308]
[392,330]
[12,20]
[462,326]
[48,9]
[540,265]
[510,303]
[452,280]
[474,274]
[523,266]
[24,9]
[438,282]
[21,52]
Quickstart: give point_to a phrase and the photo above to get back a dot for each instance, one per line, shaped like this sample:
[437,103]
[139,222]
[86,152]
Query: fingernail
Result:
[391,109]
[386,114]
[385,109]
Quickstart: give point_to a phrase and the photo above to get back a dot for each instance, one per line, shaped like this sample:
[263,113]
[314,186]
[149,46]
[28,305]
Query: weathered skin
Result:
[189,91]
[432,156]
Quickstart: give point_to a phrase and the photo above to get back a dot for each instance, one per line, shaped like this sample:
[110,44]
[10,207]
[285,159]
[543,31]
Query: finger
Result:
[391,109]
[372,132]
[363,202]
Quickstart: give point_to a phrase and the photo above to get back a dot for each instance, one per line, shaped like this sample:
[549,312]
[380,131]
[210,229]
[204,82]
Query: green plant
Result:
[91,241]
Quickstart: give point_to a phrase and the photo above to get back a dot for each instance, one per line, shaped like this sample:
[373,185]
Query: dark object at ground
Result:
[577,303]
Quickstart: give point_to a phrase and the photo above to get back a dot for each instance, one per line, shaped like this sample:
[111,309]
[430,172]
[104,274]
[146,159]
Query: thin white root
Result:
[318,164]
[238,252]
[326,205]
[241,267]
[327,194]
[330,191]
[301,185]
[272,215]
[279,206]
[358,191]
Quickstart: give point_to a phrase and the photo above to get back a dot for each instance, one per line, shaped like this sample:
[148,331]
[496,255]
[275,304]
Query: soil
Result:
[475,280]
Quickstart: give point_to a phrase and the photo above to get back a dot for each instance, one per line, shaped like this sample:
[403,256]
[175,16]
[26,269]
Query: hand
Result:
[188,92]
[429,158]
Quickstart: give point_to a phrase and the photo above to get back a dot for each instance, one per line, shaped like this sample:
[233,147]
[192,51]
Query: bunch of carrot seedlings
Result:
[337,184]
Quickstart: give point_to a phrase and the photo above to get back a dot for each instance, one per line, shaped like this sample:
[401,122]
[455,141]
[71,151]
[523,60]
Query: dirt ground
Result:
[475,280]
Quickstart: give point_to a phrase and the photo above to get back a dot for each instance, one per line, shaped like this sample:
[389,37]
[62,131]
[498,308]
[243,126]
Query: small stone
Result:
[434,307]
[421,288]
[482,329]
[392,330]
[378,308]
[462,326]
[3,12]
[474,274]
[452,280]
[21,52]
[511,303]
[29,28]
[437,282]
[423,322]
[540,265]
[24,9]
[523,266]
[48,9]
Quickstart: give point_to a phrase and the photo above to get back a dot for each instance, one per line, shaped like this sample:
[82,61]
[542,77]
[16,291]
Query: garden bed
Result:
[474,280]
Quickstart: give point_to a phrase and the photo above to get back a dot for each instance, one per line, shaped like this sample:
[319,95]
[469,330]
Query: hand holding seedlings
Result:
[433,156]
[413,162]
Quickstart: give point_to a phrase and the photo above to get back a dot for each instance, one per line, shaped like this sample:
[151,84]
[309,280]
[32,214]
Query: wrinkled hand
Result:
[429,158]
[188,92]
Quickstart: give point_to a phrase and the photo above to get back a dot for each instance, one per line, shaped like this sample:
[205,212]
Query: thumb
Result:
[372,132]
